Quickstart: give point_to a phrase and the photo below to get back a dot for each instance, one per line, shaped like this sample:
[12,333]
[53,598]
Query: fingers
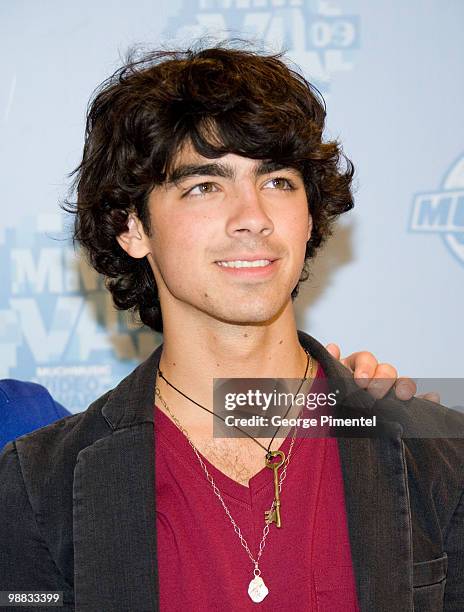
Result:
[378,378]
[432,396]
[384,378]
[334,350]
[405,388]
[363,364]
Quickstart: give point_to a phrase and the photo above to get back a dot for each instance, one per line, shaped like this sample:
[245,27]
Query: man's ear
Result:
[310,227]
[134,240]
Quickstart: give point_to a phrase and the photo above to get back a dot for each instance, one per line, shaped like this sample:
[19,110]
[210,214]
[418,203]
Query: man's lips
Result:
[259,256]
[249,267]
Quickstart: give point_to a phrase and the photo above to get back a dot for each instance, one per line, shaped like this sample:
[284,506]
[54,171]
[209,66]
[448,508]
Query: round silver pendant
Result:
[257,590]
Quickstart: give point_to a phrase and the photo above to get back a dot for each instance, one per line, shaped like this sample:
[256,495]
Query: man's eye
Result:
[281,183]
[202,189]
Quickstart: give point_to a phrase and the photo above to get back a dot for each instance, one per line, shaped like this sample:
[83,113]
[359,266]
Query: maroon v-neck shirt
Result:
[306,564]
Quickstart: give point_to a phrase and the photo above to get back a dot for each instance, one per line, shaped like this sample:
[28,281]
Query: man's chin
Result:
[256,315]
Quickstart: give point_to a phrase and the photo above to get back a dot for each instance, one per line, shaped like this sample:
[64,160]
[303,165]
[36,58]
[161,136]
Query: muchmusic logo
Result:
[442,211]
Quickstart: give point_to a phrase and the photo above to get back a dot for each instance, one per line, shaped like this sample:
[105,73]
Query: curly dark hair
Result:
[223,99]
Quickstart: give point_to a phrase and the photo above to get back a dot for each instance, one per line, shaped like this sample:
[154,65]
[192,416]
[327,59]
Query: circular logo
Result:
[454,180]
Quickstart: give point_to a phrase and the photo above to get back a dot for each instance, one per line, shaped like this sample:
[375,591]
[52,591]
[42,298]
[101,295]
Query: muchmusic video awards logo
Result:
[317,33]
[58,325]
[442,211]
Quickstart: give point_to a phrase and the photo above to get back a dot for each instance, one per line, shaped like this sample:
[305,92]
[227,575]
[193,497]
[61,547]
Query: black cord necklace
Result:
[268,451]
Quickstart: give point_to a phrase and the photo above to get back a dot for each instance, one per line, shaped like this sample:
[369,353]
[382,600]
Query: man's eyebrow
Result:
[268,166]
[187,170]
[223,170]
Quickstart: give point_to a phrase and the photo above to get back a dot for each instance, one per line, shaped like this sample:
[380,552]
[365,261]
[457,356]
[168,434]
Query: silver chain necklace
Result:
[257,589]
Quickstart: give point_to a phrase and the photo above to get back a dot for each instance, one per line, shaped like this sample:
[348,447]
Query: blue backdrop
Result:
[391,277]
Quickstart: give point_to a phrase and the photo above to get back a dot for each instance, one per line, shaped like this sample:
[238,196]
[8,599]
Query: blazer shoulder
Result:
[47,456]
[433,439]
[73,431]
[430,431]
[426,420]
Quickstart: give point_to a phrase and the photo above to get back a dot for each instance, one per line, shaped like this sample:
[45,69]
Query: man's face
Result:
[217,213]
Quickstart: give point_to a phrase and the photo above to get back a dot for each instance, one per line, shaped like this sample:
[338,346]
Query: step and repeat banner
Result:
[391,278]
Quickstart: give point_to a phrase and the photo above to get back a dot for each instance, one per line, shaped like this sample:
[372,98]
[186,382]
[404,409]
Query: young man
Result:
[205,189]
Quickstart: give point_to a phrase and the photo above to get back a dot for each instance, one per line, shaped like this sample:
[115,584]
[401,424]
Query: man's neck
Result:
[194,354]
[207,348]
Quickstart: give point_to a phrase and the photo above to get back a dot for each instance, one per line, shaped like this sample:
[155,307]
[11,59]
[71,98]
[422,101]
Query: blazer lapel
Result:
[114,524]
[376,498]
[114,504]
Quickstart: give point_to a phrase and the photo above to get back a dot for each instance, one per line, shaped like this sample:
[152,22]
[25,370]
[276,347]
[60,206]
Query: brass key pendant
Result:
[273,515]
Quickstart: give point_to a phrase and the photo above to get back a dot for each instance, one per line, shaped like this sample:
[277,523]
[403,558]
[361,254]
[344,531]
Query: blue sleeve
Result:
[60,410]
[24,407]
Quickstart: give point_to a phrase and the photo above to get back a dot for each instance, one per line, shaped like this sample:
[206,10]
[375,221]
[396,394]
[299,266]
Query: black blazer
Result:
[77,504]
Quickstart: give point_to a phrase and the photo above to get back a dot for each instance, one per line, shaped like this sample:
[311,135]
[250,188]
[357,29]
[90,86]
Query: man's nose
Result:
[248,213]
